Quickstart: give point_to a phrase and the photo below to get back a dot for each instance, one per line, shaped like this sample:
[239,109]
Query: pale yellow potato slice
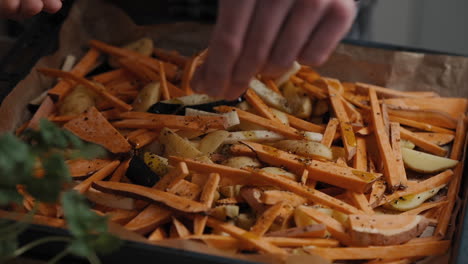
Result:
[412,201]
[424,162]
[309,149]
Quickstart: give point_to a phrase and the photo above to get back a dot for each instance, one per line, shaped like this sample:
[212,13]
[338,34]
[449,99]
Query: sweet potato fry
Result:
[246,237]
[346,178]
[430,183]
[392,252]
[150,218]
[199,223]
[309,231]
[436,138]
[82,168]
[164,87]
[147,61]
[45,110]
[422,143]
[272,197]
[185,189]
[263,122]
[330,132]
[423,207]
[451,106]
[454,186]
[396,147]
[172,56]
[267,218]
[152,195]
[420,125]
[336,229]
[377,193]
[85,65]
[180,228]
[158,234]
[272,85]
[208,193]
[347,133]
[180,171]
[256,102]
[304,125]
[99,89]
[98,176]
[435,118]
[382,92]
[383,143]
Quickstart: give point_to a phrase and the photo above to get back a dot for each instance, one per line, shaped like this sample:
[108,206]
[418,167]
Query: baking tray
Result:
[40,38]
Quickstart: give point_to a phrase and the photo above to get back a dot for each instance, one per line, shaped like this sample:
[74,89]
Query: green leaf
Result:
[47,189]
[8,246]
[51,135]
[89,229]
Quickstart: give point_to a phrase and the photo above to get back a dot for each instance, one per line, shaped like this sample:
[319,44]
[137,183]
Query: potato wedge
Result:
[80,99]
[149,95]
[270,97]
[231,118]
[412,201]
[280,115]
[174,145]
[285,77]
[252,135]
[211,142]
[157,164]
[241,162]
[424,162]
[407,144]
[310,149]
[298,101]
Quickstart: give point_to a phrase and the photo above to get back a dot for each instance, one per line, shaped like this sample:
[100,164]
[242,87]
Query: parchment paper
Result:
[96,19]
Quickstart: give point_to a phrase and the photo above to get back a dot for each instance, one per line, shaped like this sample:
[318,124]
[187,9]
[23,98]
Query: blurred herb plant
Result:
[37,163]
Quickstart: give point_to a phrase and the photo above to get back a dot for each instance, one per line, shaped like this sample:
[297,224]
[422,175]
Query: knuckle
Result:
[312,4]
[230,46]
[343,10]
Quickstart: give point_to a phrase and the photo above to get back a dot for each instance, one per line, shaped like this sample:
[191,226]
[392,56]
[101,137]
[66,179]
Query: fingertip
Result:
[52,6]
[10,9]
[31,8]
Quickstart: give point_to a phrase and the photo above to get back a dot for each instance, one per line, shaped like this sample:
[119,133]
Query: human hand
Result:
[267,36]
[20,9]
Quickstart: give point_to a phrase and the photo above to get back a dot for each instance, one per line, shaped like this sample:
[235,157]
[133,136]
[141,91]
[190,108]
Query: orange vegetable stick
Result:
[237,176]
[189,70]
[86,64]
[263,122]
[150,218]
[267,218]
[452,106]
[157,121]
[45,110]
[152,63]
[256,102]
[454,187]
[436,138]
[391,252]
[36,219]
[120,171]
[347,133]
[246,237]
[180,171]
[182,231]
[330,173]
[171,56]
[330,132]
[158,234]
[150,194]
[383,143]
[422,143]
[422,186]
[304,125]
[100,90]
[21,128]
[396,147]
[144,139]
[122,216]
[110,76]
[423,207]
[61,119]
[420,125]
[199,223]
[272,85]
[377,193]
[272,197]
[434,118]
[209,190]
[336,229]
[164,87]
[83,186]
[132,135]
[389,93]
[184,189]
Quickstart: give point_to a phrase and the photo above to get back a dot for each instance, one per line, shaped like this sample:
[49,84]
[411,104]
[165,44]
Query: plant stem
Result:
[93,259]
[38,242]
[58,257]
